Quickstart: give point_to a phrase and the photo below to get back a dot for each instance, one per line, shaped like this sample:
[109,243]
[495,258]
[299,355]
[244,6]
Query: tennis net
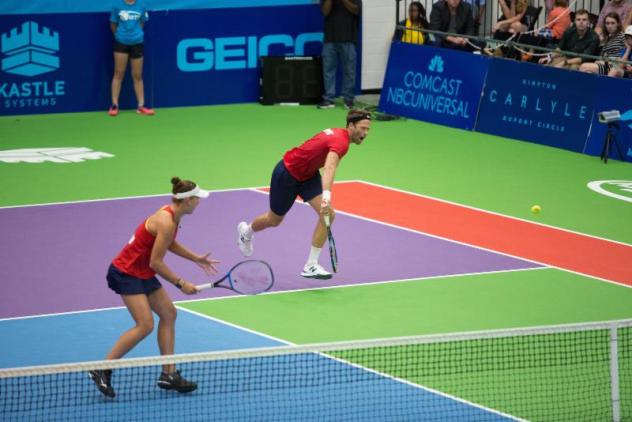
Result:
[555,373]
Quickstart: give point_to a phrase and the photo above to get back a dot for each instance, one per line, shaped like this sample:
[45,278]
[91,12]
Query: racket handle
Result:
[326,218]
[205,286]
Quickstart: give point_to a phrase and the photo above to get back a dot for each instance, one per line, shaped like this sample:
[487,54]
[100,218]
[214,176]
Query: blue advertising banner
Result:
[538,104]
[53,63]
[614,94]
[433,84]
[212,56]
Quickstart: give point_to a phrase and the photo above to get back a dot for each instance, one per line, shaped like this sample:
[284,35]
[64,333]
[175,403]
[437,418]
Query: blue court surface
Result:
[297,387]
[87,336]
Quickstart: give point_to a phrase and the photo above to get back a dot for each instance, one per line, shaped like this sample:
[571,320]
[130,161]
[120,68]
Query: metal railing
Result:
[492,11]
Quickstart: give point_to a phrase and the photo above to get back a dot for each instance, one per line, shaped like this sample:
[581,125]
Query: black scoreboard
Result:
[291,80]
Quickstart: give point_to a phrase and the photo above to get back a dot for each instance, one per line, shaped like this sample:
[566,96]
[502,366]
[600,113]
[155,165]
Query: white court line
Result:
[179,302]
[476,246]
[370,283]
[258,189]
[62,313]
[46,204]
[493,213]
[236,326]
[360,367]
[119,198]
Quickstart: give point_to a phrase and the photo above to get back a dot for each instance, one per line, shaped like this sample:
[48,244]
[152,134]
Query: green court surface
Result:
[236,146]
[440,305]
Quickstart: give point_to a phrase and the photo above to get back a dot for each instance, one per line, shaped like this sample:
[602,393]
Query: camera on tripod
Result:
[609,116]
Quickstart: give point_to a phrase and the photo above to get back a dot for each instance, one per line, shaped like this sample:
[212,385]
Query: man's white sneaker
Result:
[315,271]
[244,242]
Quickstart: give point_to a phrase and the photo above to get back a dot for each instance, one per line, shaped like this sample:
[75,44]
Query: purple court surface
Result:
[55,257]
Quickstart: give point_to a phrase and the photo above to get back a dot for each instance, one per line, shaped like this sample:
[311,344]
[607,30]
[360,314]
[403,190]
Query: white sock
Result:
[314,254]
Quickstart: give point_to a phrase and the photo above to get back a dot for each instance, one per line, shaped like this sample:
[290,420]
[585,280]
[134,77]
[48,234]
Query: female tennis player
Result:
[132,274]
[297,174]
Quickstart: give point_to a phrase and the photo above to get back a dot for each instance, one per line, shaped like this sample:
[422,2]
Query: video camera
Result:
[609,116]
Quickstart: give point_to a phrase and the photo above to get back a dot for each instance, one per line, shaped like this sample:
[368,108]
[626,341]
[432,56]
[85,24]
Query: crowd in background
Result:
[568,33]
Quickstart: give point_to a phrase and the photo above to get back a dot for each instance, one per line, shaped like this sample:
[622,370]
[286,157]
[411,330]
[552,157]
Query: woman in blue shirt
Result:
[126,21]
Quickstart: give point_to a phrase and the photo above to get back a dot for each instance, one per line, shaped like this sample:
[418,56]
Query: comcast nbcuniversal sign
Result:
[51,155]
[619,189]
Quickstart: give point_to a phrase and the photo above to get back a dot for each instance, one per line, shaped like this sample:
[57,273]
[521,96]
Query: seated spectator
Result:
[623,70]
[452,16]
[559,19]
[478,13]
[620,7]
[614,45]
[416,21]
[579,38]
[513,19]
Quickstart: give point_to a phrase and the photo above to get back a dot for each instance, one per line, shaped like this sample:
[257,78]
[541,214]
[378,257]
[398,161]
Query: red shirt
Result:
[135,256]
[304,161]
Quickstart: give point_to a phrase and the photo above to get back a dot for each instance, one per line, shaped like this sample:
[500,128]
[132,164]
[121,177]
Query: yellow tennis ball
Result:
[536,209]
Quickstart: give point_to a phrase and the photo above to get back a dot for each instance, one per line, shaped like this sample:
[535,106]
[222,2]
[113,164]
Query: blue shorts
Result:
[284,189]
[125,284]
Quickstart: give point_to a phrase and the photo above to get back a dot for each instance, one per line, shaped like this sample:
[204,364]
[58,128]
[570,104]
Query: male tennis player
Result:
[132,275]
[297,174]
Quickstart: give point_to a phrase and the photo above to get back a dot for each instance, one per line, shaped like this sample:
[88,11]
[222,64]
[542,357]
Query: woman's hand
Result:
[207,264]
[188,288]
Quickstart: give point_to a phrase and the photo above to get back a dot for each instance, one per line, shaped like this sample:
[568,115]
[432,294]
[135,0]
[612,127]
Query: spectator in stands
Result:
[628,21]
[559,19]
[416,21]
[622,70]
[614,45]
[513,18]
[339,48]
[620,7]
[579,38]
[456,17]
[127,20]
[478,12]
[548,6]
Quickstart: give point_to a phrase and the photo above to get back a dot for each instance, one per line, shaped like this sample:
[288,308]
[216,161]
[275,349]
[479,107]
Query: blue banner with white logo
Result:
[218,63]
[52,63]
[55,63]
[614,94]
[538,104]
[433,84]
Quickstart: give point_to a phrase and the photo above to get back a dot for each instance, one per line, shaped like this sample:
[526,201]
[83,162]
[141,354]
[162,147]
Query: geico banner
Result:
[614,94]
[433,84]
[53,63]
[538,104]
[212,56]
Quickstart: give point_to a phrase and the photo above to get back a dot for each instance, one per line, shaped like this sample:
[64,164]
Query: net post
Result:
[614,374]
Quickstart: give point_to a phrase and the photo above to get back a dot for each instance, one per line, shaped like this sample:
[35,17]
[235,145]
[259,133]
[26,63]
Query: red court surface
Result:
[601,258]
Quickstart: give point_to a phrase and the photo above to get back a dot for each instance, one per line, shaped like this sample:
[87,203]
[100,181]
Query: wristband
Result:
[179,283]
[327,195]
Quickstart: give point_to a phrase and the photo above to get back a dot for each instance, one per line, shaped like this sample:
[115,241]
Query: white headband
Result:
[196,191]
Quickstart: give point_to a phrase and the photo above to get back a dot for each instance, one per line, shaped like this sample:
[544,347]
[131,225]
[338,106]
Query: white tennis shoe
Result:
[315,271]
[243,241]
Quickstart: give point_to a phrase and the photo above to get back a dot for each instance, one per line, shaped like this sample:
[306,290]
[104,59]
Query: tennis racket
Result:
[248,277]
[333,254]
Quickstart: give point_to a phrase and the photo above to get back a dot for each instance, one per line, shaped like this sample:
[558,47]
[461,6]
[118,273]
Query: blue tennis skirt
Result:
[125,284]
